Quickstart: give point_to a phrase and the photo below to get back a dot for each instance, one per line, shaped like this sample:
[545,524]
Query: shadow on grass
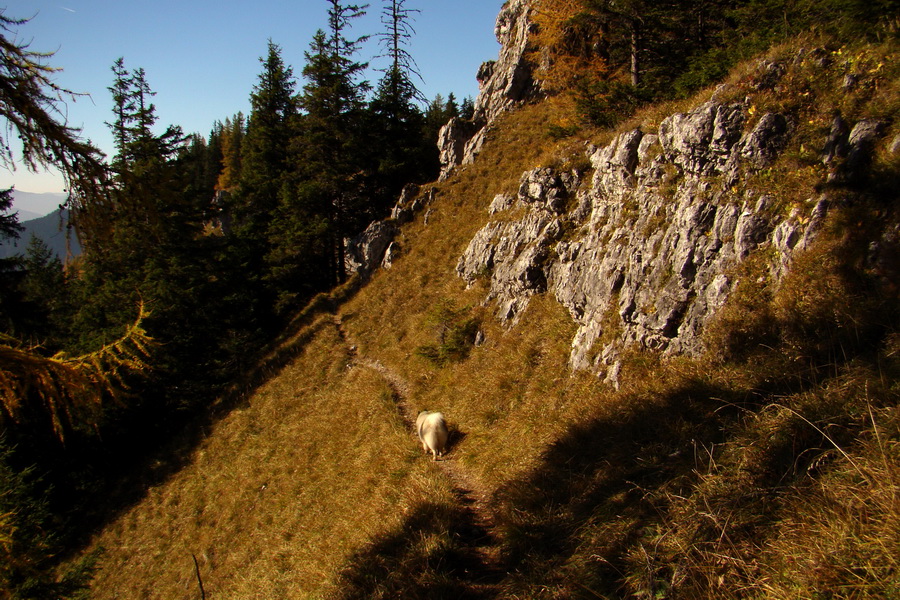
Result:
[602,488]
[455,438]
[599,503]
[432,556]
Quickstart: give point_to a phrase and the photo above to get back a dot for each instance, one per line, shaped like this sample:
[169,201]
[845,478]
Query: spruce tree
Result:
[29,548]
[256,164]
[10,297]
[46,309]
[232,134]
[123,106]
[330,148]
[404,153]
[467,108]
[264,159]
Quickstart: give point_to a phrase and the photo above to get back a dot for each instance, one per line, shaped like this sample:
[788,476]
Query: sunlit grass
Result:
[767,468]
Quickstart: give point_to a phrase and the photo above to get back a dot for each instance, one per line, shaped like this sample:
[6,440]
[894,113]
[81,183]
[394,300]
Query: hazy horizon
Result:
[33,205]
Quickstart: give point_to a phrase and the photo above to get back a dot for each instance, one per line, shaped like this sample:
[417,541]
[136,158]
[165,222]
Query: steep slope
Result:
[727,264]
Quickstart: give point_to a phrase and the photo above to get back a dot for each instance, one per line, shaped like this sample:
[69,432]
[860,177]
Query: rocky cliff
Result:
[643,246]
[503,84]
[642,243]
[643,250]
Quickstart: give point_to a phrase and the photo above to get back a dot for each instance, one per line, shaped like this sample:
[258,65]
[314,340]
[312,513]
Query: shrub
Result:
[606,103]
[456,331]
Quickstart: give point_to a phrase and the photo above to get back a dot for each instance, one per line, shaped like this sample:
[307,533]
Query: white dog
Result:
[432,430]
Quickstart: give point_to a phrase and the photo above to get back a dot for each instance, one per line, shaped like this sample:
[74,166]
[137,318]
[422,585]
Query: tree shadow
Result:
[127,476]
[614,474]
[433,555]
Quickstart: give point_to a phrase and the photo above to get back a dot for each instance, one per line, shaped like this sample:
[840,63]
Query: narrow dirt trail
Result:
[477,533]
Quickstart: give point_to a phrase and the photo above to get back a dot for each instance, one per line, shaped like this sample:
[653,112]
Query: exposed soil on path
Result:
[477,533]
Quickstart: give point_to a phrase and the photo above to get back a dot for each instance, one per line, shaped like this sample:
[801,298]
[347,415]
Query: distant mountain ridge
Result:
[31,205]
[51,229]
[27,215]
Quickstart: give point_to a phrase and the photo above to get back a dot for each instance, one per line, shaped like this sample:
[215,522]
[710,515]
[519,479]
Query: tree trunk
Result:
[340,271]
[635,53]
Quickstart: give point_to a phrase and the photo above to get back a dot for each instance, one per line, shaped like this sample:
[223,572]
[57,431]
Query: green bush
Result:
[456,331]
[606,103]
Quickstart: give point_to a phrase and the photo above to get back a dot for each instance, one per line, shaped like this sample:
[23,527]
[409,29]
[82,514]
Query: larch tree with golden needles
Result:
[59,388]
[567,44]
[32,111]
[232,135]
[62,391]
[567,48]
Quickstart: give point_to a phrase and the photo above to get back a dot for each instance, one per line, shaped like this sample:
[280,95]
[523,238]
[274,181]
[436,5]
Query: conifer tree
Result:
[330,147]
[452,108]
[29,548]
[404,155]
[123,106]
[199,163]
[435,116]
[265,149]
[232,134]
[467,108]
[9,277]
[153,252]
[45,311]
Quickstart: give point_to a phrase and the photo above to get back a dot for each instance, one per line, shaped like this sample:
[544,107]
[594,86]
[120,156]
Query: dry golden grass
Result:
[768,469]
[283,491]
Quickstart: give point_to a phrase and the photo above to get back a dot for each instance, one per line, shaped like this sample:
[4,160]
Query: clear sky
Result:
[201,57]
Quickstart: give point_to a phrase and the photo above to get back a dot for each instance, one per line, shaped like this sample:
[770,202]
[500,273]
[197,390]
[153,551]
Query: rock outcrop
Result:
[365,252]
[644,252]
[503,83]
[375,247]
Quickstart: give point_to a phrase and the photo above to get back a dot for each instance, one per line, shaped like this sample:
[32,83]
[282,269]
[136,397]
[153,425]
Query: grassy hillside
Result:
[767,468]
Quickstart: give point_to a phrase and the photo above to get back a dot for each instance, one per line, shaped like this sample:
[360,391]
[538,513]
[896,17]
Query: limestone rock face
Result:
[643,253]
[375,247]
[513,253]
[453,140]
[365,252]
[410,203]
[848,152]
[503,84]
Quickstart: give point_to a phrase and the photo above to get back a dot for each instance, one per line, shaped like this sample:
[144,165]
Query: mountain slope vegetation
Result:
[764,465]
[767,467]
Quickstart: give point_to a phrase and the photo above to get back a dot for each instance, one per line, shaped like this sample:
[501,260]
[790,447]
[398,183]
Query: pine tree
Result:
[397,123]
[330,148]
[265,149]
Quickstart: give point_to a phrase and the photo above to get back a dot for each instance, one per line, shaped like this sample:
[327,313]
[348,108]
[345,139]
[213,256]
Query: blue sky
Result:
[201,57]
